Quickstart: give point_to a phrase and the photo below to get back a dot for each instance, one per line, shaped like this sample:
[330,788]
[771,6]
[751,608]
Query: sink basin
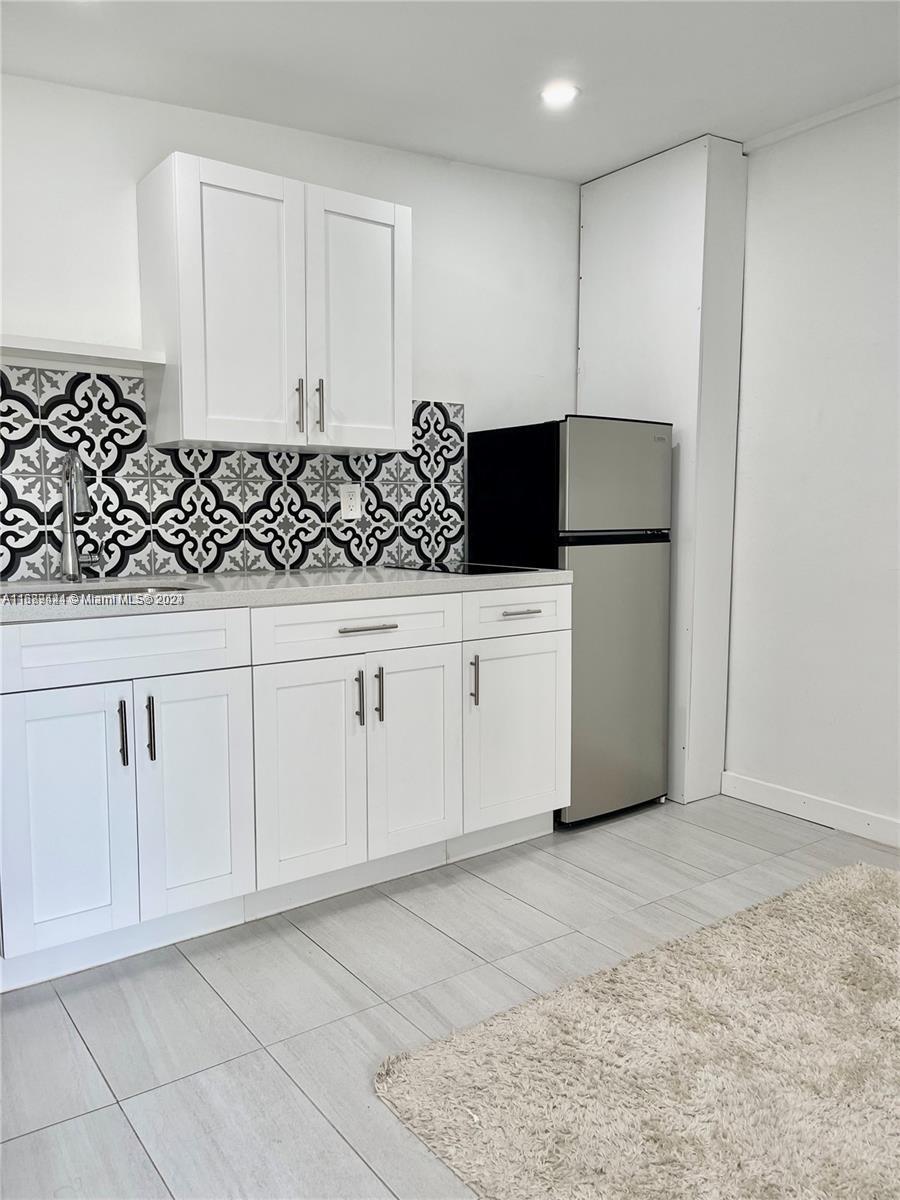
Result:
[105,588]
[134,589]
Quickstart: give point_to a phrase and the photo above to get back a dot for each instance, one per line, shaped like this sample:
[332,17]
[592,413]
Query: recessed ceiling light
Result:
[559,94]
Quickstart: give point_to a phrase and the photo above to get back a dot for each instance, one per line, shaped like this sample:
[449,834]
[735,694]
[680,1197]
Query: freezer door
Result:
[614,474]
[620,666]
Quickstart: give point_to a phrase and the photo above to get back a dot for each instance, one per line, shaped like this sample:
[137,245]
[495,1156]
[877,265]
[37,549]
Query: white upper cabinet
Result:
[284,310]
[358,320]
[222,289]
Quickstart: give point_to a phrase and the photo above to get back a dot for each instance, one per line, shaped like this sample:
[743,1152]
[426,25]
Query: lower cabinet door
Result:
[517,735]
[195,789]
[414,747]
[310,767]
[68,840]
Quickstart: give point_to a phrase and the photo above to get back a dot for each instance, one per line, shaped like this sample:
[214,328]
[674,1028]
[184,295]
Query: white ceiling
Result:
[461,80]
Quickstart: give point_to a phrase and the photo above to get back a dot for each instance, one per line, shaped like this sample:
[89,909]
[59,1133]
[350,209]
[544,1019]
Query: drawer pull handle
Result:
[379,679]
[476,692]
[368,628]
[123,732]
[151,728]
[361,684]
[521,612]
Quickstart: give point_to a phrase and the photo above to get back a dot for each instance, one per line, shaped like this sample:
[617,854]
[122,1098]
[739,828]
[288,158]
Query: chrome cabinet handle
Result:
[368,628]
[320,391]
[123,732]
[379,679]
[476,692]
[361,684]
[301,414]
[151,728]
[521,612]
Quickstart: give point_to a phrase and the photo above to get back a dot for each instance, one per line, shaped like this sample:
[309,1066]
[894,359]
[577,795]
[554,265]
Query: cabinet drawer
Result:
[296,631]
[508,611]
[62,653]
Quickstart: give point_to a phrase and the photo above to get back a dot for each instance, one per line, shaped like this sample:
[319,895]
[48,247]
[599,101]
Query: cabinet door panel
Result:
[310,769]
[68,842]
[517,737]
[247,276]
[358,319]
[415,748]
[195,797]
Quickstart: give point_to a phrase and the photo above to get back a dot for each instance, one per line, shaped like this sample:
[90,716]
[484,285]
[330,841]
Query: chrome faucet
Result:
[75,501]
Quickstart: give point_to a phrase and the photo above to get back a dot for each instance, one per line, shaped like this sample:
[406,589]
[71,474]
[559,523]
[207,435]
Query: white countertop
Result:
[23,602]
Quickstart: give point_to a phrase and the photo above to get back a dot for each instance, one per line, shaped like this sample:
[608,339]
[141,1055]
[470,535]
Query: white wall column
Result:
[662,246]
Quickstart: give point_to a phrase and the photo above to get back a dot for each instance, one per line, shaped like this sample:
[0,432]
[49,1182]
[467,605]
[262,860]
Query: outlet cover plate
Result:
[351,502]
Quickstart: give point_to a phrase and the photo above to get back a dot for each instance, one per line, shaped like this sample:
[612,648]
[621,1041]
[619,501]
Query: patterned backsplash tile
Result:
[161,512]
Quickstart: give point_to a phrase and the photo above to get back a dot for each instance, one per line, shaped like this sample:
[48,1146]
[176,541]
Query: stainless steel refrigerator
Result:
[593,495]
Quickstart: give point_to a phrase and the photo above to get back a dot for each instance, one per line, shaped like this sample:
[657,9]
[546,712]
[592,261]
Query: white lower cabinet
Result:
[194,766]
[310,768]
[415,748]
[128,801]
[517,727]
[68,841]
[356,757]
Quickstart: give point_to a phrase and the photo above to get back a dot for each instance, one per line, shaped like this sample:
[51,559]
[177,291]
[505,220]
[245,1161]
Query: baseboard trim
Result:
[844,817]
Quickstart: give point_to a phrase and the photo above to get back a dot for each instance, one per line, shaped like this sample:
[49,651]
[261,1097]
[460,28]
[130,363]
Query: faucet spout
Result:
[75,500]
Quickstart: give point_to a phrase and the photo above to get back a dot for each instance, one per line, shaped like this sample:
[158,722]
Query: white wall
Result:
[495,254]
[659,339]
[812,708]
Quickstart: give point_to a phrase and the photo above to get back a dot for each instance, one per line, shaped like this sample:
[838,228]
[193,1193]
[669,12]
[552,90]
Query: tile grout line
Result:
[293,1082]
[407,912]
[118,1102]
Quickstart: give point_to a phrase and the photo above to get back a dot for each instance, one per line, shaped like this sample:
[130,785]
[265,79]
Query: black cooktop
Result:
[469,568]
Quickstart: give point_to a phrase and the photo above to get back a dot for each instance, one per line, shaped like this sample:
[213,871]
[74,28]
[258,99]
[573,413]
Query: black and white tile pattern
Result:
[171,512]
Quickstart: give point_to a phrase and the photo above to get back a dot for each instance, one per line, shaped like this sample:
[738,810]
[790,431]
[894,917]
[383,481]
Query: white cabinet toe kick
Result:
[160,771]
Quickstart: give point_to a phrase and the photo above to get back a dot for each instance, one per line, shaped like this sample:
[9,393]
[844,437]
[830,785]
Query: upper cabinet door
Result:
[195,789]
[68,840]
[223,289]
[359,321]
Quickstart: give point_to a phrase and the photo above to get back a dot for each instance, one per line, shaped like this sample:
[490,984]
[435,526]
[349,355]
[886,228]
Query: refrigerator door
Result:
[614,474]
[620,656]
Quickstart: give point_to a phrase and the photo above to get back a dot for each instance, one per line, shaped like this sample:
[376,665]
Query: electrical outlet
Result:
[351,502]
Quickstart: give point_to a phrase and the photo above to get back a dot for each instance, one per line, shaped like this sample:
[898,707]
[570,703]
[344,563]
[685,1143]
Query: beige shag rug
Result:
[753,1060]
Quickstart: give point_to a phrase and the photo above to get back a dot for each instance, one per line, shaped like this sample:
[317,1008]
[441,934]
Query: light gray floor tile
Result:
[842,850]
[389,948]
[642,929]
[276,979]
[474,913]
[646,872]
[711,852]
[461,1001]
[245,1130]
[772,831]
[48,1074]
[775,875]
[544,968]
[710,902]
[552,884]
[93,1157]
[150,1019]
[335,1066]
